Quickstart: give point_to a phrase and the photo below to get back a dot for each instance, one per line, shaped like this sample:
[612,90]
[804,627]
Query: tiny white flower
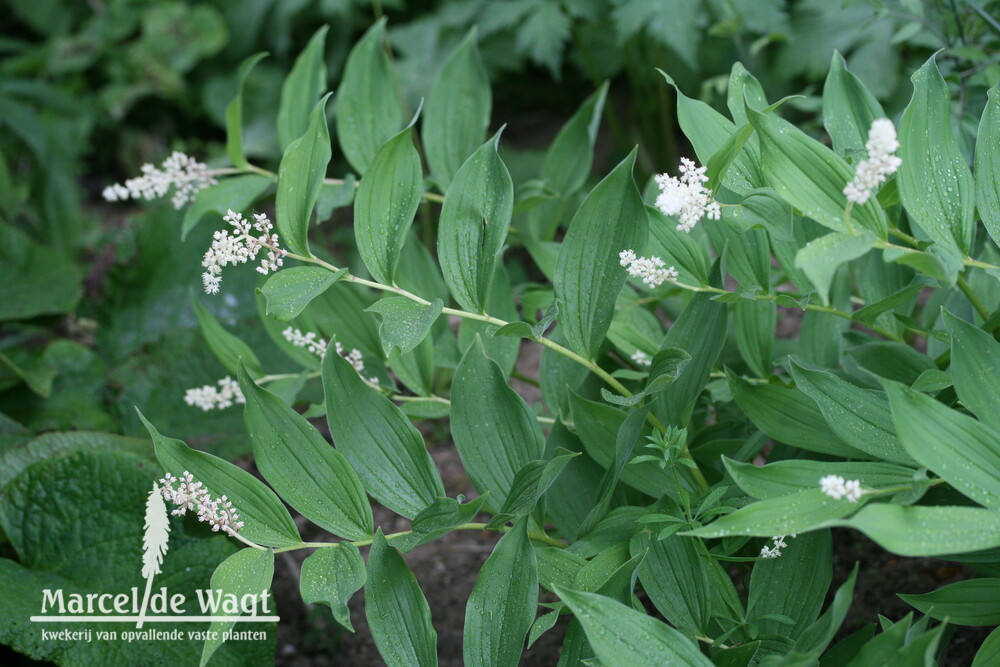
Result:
[182,173]
[687,197]
[836,487]
[240,247]
[318,346]
[880,164]
[651,270]
[209,397]
[192,495]
[641,358]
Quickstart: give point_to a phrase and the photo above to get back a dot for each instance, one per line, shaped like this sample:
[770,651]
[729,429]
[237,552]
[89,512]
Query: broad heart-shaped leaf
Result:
[397,612]
[235,193]
[368,110]
[308,473]
[301,88]
[248,572]
[588,274]
[405,323]
[782,478]
[474,221]
[502,605]
[988,164]
[226,347]
[300,178]
[914,530]
[379,441]
[624,637]
[289,291]
[975,360]
[792,585]
[331,576]
[782,515]
[673,575]
[266,520]
[848,110]
[970,602]
[820,259]
[234,114]
[962,451]
[934,180]
[458,112]
[811,177]
[495,431]
[860,417]
[386,201]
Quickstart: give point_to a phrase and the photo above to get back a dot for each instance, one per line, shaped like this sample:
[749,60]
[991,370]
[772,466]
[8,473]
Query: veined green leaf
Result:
[266,520]
[624,637]
[848,109]
[378,441]
[386,202]
[332,575]
[289,291]
[988,165]
[959,449]
[914,530]
[989,650]
[300,177]
[301,88]
[934,180]
[743,89]
[397,610]
[820,259]
[753,326]
[246,572]
[302,467]
[473,226]
[502,605]
[784,477]
[405,323]
[368,111]
[458,112]
[975,363]
[971,602]
[530,482]
[226,347]
[807,561]
[234,114]
[495,431]
[782,515]
[674,577]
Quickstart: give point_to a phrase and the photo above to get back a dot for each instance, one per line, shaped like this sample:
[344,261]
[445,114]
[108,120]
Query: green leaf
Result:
[673,576]
[386,202]
[502,605]
[781,515]
[821,258]
[914,530]
[473,226]
[624,637]
[246,572]
[302,467]
[458,111]
[934,180]
[333,196]
[989,650]
[753,326]
[267,521]
[52,280]
[300,178]
[397,612]
[680,249]
[405,323]
[236,193]
[495,431]
[762,209]
[859,417]
[811,177]
[806,561]
[987,165]
[588,275]
[368,110]
[971,602]
[289,291]
[530,482]
[301,88]
[439,518]
[380,443]
[744,89]
[226,347]
[959,449]
[234,114]
[668,365]
[975,360]
[870,313]
[332,576]
[848,109]
[785,477]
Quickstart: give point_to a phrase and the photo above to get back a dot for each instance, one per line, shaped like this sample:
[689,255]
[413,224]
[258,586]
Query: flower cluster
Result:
[881,163]
[835,487]
[241,247]
[641,358]
[318,346]
[651,270]
[192,495]
[209,397]
[779,544]
[185,174]
[687,197]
